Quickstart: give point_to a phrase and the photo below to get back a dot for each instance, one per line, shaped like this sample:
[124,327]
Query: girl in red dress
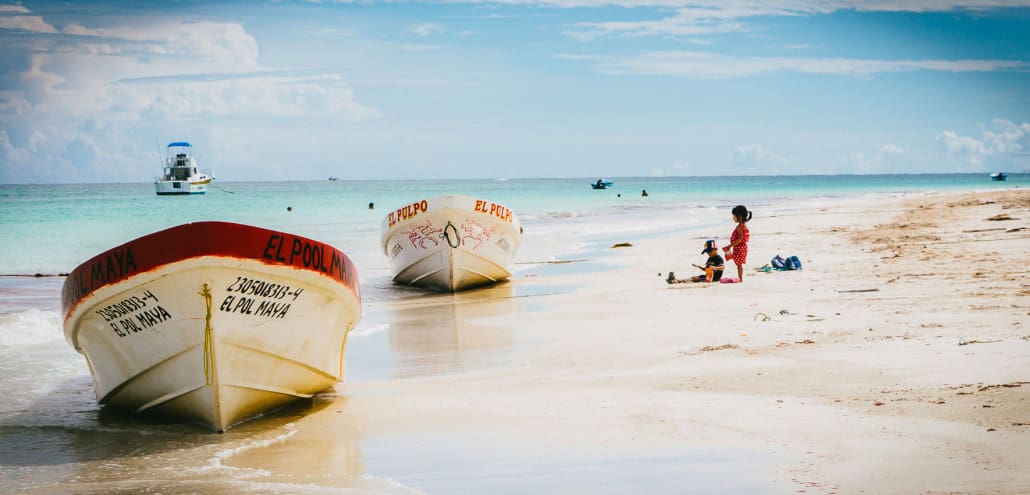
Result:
[737,248]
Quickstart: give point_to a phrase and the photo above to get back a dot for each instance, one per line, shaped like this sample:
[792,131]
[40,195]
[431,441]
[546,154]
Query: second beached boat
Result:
[451,243]
[212,322]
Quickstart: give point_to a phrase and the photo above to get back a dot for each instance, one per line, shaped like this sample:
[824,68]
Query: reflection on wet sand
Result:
[322,449]
[444,333]
[427,333]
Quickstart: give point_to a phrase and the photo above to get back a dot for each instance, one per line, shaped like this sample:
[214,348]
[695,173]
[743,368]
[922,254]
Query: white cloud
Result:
[38,82]
[427,29]
[743,8]
[187,43]
[19,22]
[85,107]
[36,141]
[673,26]
[699,17]
[17,9]
[756,156]
[885,160]
[708,65]
[1007,140]
[960,145]
[892,149]
[1010,138]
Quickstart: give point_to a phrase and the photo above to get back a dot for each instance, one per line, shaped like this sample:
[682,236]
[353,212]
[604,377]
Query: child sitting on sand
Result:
[713,267]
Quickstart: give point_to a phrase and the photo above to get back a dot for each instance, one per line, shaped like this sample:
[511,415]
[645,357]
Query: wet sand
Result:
[894,362]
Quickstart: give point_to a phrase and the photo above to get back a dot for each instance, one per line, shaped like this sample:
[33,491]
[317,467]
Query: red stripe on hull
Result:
[193,240]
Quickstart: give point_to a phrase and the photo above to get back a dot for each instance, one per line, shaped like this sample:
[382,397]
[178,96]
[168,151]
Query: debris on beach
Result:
[621,244]
[1003,385]
[962,341]
[999,217]
[710,348]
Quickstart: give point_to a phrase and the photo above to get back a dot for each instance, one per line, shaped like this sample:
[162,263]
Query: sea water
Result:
[54,438]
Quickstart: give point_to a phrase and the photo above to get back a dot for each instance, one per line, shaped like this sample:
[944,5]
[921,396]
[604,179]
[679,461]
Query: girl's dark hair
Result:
[741,212]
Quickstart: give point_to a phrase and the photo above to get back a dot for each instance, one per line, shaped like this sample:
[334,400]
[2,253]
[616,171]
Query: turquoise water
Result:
[53,228]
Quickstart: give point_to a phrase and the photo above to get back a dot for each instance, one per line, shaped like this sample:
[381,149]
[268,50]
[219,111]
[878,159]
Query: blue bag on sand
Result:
[793,263]
[778,262]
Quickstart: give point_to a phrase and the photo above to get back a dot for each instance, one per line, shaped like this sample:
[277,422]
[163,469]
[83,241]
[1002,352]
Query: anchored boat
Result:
[180,173]
[999,176]
[212,322]
[451,243]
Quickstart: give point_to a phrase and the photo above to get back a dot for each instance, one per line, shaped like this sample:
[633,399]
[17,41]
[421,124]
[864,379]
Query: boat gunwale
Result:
[179,244]
[389,230]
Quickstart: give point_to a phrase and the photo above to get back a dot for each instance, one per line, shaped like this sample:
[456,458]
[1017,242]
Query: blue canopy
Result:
[180,143]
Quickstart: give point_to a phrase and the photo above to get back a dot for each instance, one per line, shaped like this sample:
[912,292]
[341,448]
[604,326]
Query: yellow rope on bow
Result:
[209,358]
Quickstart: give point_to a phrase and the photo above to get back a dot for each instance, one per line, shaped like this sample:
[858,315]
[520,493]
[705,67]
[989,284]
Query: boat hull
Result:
[451,243]
[235,321]
[178,188]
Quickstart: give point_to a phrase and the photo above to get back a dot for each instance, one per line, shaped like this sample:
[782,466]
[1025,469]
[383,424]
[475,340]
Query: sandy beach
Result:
[894,362]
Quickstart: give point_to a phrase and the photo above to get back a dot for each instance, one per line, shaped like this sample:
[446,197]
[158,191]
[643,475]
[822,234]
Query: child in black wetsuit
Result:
[715,263]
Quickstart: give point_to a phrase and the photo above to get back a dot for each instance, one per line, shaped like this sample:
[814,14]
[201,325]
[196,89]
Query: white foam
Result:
[370,330]
[217,462]
[370,485]
[31,326]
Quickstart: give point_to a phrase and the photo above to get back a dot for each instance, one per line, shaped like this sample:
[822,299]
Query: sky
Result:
[93,91]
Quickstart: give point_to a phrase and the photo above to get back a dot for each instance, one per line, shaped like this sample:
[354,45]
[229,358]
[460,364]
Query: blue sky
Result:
[92,91]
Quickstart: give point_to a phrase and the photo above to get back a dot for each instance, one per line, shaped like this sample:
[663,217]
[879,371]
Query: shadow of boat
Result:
[67,426]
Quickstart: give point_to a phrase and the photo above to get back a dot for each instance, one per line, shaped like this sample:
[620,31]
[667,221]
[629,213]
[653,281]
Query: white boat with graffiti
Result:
[212,322]
[451,242]
[180,174]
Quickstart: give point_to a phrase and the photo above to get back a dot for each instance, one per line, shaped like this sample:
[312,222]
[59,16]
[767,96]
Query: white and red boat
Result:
[212,322]
[451,242]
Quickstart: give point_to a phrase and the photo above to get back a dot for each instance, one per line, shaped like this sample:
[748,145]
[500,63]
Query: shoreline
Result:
[893,362]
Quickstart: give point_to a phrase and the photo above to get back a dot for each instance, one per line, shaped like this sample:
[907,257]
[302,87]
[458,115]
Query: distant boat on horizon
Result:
[999,176]
[180,175]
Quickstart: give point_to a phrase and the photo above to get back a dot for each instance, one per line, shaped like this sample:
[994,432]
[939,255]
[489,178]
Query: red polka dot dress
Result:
[739,254]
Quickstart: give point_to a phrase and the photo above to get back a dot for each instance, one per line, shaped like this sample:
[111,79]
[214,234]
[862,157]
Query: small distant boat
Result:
[180,174]
[451,243]
[212,322]
[601,184]
[999,176]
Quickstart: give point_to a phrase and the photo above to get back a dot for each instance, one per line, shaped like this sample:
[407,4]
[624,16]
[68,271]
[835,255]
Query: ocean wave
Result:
[370,330]
[32,326]
[217,462]
[549,215]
